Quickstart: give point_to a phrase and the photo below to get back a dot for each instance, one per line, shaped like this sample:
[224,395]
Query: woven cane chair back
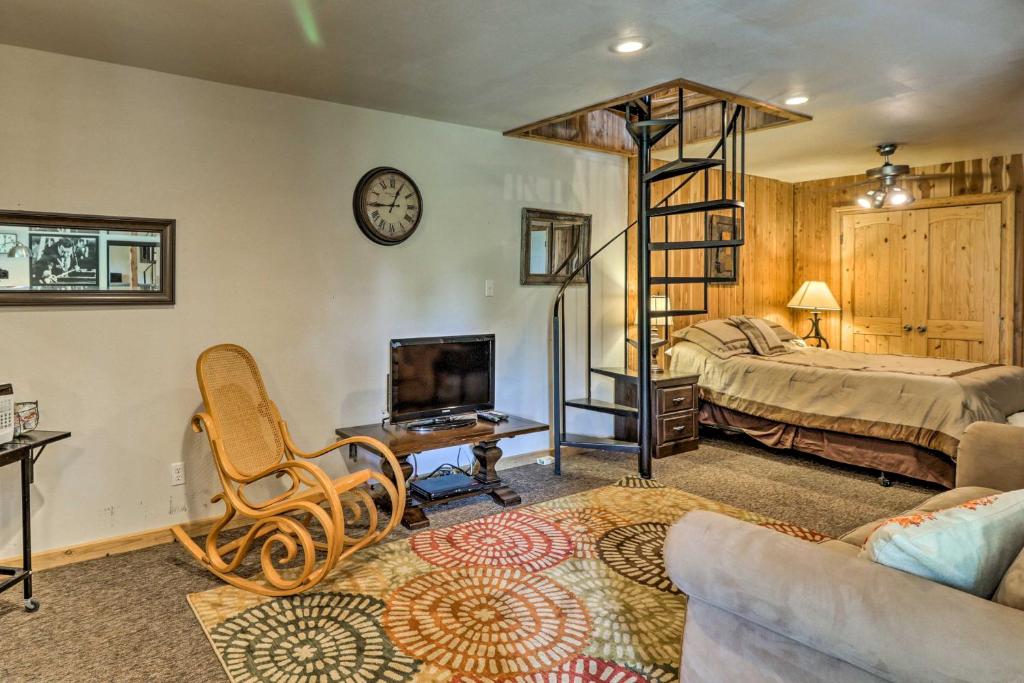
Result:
[237,401]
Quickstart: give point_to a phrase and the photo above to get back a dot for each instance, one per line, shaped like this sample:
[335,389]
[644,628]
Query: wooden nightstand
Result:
[674,399]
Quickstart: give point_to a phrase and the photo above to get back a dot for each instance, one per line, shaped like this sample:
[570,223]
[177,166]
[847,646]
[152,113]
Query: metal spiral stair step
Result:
[695,207]
[599,406]
[654,129]
[681,167]
[601,443]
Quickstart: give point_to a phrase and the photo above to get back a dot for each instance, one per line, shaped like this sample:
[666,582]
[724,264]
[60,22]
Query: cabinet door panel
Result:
[962,254]
[873,282]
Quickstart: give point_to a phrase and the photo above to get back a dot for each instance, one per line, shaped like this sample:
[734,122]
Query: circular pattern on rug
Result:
[637,552]
[630,622]
[487,621]
[511,539]
[797,531]
[311,637]
[583,525]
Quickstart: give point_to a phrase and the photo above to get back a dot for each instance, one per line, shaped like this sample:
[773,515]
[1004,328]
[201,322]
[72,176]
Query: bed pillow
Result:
[718,337]
[783,333]
[968,547]
[761,335]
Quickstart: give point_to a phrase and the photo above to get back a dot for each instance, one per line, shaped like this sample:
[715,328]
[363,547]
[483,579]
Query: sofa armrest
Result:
[991,455]
[897,626]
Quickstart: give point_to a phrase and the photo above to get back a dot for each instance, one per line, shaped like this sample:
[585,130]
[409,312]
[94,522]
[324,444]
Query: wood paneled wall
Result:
[766,260]
[816,249]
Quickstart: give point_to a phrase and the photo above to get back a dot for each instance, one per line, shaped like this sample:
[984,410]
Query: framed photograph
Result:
[64,259]
[722,263]
[8,240]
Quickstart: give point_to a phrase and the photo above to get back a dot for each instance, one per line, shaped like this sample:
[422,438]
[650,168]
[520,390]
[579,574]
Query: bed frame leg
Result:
[884,480]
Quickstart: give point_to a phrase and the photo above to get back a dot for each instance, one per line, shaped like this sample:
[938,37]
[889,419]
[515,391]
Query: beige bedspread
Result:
[924,401]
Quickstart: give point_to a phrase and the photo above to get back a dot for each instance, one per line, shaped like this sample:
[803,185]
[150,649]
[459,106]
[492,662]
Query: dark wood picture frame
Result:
[722,264]
[556,274]
[43,222]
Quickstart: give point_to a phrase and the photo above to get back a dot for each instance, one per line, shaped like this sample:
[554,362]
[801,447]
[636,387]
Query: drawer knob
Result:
[681,428]
[678,399]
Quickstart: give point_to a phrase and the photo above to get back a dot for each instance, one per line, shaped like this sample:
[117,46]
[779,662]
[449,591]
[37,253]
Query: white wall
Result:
[269,257]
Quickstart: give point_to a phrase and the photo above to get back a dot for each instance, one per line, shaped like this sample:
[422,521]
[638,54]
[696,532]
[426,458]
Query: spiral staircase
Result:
[721,172]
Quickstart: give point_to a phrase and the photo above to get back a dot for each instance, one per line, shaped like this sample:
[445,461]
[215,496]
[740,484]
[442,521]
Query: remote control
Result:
[492,416]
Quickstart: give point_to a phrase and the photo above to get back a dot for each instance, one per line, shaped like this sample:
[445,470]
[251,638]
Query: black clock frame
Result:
[361,219]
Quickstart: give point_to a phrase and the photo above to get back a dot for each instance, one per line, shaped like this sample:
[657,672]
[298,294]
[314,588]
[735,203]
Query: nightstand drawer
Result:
[677,427]
[674,399]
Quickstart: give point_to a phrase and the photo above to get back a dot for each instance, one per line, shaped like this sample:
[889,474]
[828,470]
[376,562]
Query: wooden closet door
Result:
[875,305]
[955,256]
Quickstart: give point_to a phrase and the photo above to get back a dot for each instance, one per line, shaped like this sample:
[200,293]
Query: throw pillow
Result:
[761,335]
[719,337]
[1011,588]
[968,547]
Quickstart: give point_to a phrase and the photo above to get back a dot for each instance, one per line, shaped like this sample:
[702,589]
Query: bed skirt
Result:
[863,451]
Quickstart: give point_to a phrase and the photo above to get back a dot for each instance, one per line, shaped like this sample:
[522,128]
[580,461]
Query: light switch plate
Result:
[488,287]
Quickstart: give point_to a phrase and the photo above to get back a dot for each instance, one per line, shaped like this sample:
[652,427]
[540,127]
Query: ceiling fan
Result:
[889,181]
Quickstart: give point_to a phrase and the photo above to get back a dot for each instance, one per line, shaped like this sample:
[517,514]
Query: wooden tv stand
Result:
[483,436]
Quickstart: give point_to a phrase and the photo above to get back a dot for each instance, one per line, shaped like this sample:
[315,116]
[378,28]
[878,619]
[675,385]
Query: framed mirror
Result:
[63,259]
[554,244]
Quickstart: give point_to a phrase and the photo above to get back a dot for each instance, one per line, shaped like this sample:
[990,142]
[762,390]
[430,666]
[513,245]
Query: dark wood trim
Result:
[165,227]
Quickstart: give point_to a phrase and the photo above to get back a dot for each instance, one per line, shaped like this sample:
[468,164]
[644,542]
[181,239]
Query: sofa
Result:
[764,606]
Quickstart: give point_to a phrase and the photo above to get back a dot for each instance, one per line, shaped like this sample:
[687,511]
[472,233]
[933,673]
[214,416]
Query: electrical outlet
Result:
[177,473]
[488,287]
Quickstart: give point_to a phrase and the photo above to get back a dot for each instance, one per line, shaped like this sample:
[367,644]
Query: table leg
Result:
[487,455]
[31,604]
[413,517]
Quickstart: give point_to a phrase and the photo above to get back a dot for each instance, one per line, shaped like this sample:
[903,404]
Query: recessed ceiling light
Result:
[796,99]
[627,46]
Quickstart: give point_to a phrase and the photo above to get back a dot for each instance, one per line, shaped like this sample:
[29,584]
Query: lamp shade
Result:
[659,302]
[814,295]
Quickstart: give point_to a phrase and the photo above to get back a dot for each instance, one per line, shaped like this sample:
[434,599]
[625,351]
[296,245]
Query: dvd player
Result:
[435,488]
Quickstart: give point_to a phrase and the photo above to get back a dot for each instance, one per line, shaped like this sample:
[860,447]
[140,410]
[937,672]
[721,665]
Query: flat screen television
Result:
[437,376]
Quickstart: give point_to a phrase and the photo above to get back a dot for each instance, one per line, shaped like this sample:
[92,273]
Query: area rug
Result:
[572,590]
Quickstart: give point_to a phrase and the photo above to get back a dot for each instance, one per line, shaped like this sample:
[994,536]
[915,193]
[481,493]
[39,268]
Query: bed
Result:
[897,414]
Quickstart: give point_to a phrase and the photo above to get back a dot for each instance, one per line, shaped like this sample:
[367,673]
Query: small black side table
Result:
[25,449]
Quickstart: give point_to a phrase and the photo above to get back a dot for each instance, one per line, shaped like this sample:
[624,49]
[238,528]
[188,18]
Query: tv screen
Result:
[441,376]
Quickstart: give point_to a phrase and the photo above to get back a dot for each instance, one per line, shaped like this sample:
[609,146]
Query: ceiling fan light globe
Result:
[898,198]
[864,201]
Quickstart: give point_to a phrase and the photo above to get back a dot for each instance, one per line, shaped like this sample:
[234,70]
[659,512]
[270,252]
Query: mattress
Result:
[927,402]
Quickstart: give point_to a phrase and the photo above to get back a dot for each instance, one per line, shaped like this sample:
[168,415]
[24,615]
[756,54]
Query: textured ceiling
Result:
[944,76]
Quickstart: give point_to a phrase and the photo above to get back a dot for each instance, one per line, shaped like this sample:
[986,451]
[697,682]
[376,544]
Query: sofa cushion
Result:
[968,547]
[946,499]
[761,335]
[1011,588]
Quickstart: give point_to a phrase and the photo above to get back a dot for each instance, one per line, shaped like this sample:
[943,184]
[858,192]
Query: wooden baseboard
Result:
[58,557]
[116,545]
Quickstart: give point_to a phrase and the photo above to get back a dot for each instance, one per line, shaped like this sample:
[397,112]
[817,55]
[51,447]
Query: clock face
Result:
[388,205]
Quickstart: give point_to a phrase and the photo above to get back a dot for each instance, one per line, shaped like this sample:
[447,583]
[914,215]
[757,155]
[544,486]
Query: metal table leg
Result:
[27,463]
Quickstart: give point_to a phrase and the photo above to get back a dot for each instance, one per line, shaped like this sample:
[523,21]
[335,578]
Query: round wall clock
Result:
[388,205]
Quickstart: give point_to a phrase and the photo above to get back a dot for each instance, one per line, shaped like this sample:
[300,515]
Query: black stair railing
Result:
[647,132]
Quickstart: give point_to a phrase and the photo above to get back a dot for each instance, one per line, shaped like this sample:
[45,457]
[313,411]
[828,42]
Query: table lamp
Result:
[659,302]
[814,296]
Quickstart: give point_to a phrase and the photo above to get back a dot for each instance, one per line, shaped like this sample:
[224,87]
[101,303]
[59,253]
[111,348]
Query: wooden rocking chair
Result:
[251,442]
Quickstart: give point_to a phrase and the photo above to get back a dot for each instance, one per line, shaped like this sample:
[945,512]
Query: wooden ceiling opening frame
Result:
[600,127]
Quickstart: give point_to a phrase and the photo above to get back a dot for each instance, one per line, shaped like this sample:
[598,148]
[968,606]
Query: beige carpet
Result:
[125,618]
